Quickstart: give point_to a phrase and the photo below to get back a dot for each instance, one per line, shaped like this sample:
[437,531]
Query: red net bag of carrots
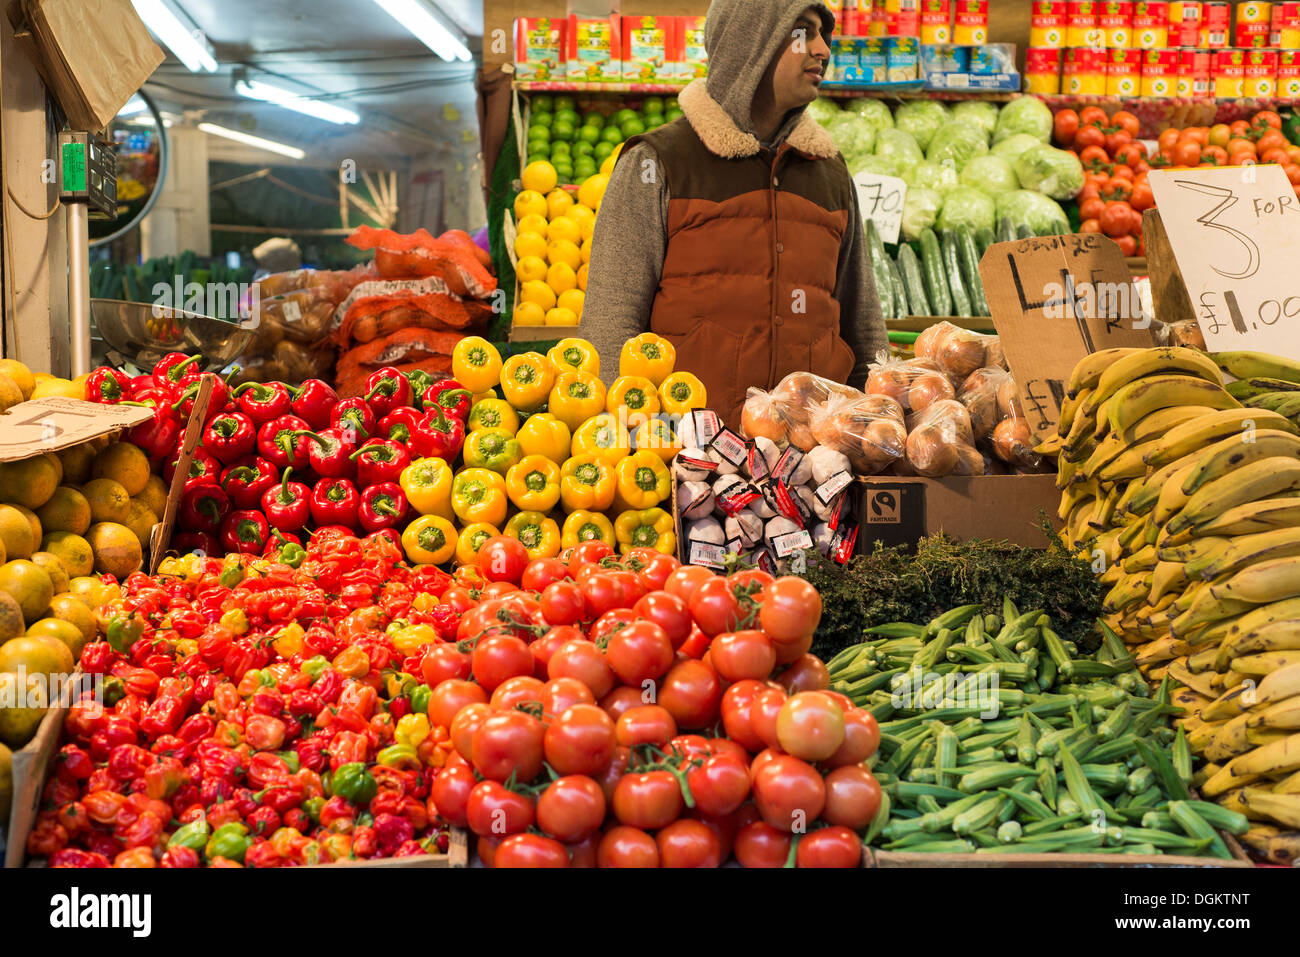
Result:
[406,349]
[379,308]
[453,257]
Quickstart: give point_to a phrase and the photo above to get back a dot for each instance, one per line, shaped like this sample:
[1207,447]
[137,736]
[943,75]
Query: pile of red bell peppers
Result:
[277,460]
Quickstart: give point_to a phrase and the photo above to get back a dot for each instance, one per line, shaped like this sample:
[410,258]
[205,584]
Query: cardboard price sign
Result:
[1054,300]
[1235,233]
[880,199]
[53,423]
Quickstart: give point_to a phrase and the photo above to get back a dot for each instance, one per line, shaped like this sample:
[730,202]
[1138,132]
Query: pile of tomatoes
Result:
[631,712]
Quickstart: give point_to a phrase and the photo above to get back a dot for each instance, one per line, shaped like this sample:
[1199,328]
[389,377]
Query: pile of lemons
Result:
[553,229]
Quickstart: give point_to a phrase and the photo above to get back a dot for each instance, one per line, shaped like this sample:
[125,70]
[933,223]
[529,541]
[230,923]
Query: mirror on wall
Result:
[140,135]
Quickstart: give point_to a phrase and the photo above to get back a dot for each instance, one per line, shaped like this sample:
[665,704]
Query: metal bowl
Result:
[144,333]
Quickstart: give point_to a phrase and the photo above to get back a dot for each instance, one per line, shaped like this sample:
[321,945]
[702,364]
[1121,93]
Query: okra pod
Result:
[992,777]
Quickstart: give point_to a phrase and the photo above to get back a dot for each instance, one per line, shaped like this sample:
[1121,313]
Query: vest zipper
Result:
[776,271]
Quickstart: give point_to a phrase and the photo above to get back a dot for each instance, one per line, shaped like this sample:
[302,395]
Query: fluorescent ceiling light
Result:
[428,27]
[163,19]
[257,90]
[255,141]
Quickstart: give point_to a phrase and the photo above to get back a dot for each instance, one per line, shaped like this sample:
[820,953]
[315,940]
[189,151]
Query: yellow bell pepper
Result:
[642,481]
[471,540]
[526,379]
[586,482]
[429,540]
[493,413]
[585,526]
[476,364]
[479,495]
[412,729]
[636,394]
[576,397]
[645,528]
[426,483]
[533,484]
[575,355]
[494,449]
[603,436]
[544,434]
[681,392]
[647,355]
[656,435]
[539,535]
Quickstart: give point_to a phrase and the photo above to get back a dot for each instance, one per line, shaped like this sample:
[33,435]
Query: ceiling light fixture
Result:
[429,26]
[168,23]
[257,90]
[255,141]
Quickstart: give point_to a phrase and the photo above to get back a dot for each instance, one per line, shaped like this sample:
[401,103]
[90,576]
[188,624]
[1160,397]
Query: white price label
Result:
[706,553]
[880,199]
[730,446]
[790,542]
[827,491]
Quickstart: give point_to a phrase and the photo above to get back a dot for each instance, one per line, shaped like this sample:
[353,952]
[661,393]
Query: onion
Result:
[1013,443]
[962,352]
[969,461]
[928,388]
[760,419]
[930,452]
[891,381]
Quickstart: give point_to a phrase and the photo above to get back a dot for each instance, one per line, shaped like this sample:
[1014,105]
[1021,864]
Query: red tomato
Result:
[685,580]
[645,724]
[632,585]
[1087,138]
[603,593]
[829,847]
[1214,154]
[442,661]
[1142,198]
[1116,219]
[1092,115]
[499,657]
[790,611]
[1127,245]
[502,559]
[1090,226]
[581,659]
[1186,153]
[790,653]
[727,746]
[696,645]
[497,590]
[656,571]
[620,700]
[688,843]
[759,844]
[589,553]
[1065,124]
[810,726]
[639,652]
[449,697]
[563,603]
[571,808]
[715,608]
[1126,121]
[580,741]
[450,792]
[494,810]
[648,800]
[852,797]
[522,689]
[540,572]
[458,599]
[720,784]
[763,711]
[624,846]
[610,623]
[560,695]
[1117,140]
[692,694]
[806,674]
[467,721]
[1091,208]
[618,764]
[508,742]
[668,612]
[1292,173]
[1168,139]
[583,853]
[789,793]
[861,738]
[530,850]
[545,646]
[736,702]
[737,655]
[1267,118]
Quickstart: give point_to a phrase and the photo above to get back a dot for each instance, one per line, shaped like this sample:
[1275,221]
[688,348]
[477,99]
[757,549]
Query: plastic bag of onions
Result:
[800,397]
[958,351]
[940,441]
[914,384]
[868,431]
[760,418]
[979,394]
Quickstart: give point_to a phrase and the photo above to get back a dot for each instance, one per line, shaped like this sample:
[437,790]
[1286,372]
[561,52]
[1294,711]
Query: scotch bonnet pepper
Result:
[533,483]
[494,449]
[479,495]
[427,486]
[586,526]
[539,535]
[476,363]
[645,528]
[526,380]
[647,355]
[576,397]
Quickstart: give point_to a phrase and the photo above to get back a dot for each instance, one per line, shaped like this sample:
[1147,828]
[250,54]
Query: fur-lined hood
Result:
[720,134]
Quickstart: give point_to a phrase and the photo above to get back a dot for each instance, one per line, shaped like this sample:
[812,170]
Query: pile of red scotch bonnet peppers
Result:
[256,714]
[277,460]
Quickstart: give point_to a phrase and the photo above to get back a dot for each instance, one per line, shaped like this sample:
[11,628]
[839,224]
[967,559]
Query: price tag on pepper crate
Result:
[1235,233]
[880,198]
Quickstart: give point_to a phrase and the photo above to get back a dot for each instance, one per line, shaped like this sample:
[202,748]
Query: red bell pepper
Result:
[263,401]
[438,435]
[354,414]
[330,452]
[160,436]
[287,505]
[283,442]
[204,469]
[108,386]
[247,479]
[199,542]
[202,509]
[230,436]
[398,424]
[450,396]
[314,402]
[382,506]
[379,461]
[245,531]
[218,401]
[387,389]
[335,502]
[170,369]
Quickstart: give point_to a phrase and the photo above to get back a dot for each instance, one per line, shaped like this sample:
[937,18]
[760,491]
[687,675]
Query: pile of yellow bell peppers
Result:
[552,457]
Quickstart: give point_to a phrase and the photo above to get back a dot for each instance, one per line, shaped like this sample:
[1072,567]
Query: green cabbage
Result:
[1042,215]
[1028,114]
[863,163]
[957,143]
[991,174]
[823,110]
[980,113]
[899,148]
[967,207]
[940,177]
[873,111]
[1045,169]
[921,118]
[1014,145]
[920,210]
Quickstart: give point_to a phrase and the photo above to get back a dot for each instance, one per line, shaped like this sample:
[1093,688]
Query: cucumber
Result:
[879,272]
[901,306]
[1006,230]
[983,240]
[909,267]
[968,257]
[952,268]
[936,287]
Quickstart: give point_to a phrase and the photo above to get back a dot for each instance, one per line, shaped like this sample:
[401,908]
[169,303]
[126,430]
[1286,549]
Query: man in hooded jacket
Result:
[734,231]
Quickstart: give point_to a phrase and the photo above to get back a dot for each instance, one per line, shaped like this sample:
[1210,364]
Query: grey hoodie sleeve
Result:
[627,255]
[861,324]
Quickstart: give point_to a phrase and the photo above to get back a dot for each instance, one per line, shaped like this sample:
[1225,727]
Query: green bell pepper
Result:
[193,835]
[354,783]
[230,841]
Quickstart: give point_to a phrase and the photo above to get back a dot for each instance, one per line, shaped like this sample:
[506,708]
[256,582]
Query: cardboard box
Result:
[651,49]
[540,48]
[900,510]
[594,49]
[695,61]
[55,423]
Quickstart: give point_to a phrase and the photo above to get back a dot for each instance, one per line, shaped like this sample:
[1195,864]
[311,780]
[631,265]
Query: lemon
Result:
[530,244]
[582,277]
[109,501]
[561,317]
[29,482]
[564,251]
[126,464]
[21,375]
[530,203]
[533,224]
[585,250]
[529,314]
[580,213]
[10,394]
[571,300]
[531,268]
[593,190]
[561,278]
[537,292]
[558,202]
[58,387]
[564,229]
[539,175]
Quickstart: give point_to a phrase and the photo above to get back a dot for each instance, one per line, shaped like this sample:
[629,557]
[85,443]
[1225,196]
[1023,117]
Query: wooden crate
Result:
[29,767]
[457,856]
